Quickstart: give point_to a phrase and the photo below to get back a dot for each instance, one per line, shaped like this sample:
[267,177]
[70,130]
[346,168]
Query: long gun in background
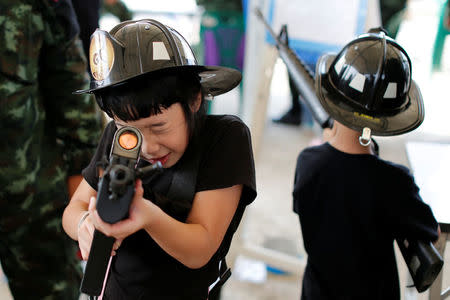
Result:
[300,74]
[422,259]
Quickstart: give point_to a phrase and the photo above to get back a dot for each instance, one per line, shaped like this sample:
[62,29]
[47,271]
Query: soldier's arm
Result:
[117,8]
[75,119]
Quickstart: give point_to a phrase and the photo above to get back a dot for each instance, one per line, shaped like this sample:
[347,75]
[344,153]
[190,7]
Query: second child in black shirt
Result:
[351,204]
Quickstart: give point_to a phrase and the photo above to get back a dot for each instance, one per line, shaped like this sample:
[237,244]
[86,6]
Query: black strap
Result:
[225,273]
[184,179]
[375,148]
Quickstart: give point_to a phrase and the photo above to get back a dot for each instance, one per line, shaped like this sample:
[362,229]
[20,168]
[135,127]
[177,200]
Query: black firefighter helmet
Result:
[368,85]
[135,48]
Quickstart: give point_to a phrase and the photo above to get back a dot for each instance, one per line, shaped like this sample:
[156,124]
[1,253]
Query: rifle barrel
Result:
[301,76]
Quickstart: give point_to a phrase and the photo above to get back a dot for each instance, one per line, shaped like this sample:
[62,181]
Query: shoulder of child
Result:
[226,123]
[397,168]
[313,157]
[226,119]
[314,150]
[398,173]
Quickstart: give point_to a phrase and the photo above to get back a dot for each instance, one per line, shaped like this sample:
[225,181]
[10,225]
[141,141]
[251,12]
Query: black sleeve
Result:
[408,215]
[306,177]
[299,182]
[90,173]
[228,160]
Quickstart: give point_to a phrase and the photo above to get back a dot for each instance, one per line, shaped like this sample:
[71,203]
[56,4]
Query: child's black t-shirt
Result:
[351,208]
[141,269]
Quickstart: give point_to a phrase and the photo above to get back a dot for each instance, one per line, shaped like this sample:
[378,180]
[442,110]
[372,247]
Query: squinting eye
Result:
[159,130]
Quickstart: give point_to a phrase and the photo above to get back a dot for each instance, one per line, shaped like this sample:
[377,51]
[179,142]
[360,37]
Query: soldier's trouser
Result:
[40,261]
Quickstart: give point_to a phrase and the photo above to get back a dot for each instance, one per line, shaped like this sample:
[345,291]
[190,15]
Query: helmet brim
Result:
[382,125]
[215,80]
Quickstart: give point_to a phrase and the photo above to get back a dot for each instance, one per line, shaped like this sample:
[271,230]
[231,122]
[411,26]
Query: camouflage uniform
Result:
[47,134]
[118,9]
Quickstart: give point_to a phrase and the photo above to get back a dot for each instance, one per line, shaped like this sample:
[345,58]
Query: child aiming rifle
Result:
[181,221]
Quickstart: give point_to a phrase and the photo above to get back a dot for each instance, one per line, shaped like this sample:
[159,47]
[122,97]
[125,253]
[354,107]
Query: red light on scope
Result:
[128,140]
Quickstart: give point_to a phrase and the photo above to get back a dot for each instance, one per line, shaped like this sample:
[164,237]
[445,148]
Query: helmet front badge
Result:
[101,56]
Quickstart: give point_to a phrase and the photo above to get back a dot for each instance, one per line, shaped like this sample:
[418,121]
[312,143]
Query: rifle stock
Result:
[423,261]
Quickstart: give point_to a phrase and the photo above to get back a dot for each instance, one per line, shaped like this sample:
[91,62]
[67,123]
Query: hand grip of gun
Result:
[302,77]
[114,196]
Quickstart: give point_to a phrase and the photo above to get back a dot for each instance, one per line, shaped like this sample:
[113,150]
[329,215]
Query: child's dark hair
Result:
[146,96]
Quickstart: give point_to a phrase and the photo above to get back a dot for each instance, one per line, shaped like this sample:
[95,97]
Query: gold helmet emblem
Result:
[101,56]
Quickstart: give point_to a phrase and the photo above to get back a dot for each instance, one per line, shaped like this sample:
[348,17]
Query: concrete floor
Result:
[269,221]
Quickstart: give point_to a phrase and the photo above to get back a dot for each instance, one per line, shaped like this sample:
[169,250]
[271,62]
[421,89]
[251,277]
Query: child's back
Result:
[351,207]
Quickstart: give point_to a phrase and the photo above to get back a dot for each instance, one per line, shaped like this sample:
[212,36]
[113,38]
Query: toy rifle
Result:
[115,193]
[423,260]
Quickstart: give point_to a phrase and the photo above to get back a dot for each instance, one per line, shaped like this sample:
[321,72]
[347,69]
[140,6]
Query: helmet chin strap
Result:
[365,138]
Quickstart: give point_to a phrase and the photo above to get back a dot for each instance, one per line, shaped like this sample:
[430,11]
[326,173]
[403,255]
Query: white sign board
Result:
[430,164]
[319,25]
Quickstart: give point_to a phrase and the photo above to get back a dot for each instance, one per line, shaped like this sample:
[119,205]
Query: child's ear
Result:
[195,106]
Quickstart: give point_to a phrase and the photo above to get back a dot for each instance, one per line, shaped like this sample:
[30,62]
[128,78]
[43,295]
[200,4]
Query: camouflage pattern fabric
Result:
[47,134]
[117,9]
